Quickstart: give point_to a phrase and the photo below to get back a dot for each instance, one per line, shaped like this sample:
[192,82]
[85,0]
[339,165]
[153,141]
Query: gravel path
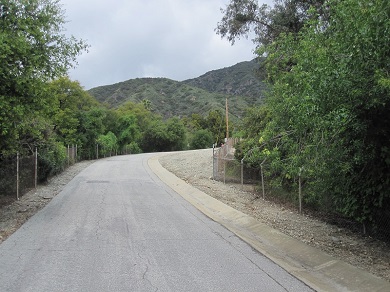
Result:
[195,167]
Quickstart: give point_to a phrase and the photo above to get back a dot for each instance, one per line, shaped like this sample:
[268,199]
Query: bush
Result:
[201,139]
[133,148]
[51,160]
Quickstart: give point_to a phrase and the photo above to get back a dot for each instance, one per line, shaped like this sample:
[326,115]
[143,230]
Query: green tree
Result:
[242,17]
[252,128]
[108,143]
[216,124]
[330,111]
[129,132]
[201,139]
[160,136]
[197,122]
[328,108]
[155,138]
[33,50]
[68,102]
[90,128]
[176,134]
[143,115]
[147,104]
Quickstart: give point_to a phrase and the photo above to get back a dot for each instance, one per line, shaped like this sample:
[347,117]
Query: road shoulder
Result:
[312,266]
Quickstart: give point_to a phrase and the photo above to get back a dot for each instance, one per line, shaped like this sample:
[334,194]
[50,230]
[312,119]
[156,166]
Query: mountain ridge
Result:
[238,83]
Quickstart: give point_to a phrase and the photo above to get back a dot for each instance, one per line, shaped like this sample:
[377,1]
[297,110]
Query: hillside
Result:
[199,95]
[241,79]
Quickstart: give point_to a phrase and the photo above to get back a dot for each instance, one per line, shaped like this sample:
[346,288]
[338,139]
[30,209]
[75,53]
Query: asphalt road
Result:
[117,227]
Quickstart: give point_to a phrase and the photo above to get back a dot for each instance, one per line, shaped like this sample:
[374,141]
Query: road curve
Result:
[117,227]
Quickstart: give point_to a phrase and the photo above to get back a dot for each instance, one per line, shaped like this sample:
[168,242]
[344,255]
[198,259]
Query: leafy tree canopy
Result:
[328,109]
[243,17]
[33,50]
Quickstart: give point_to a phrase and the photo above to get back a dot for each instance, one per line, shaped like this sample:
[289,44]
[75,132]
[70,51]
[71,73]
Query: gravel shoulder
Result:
[195,167]
[13,215]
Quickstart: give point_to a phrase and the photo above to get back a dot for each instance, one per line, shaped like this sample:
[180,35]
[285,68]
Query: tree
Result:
[143,115]
[68,101]
[329,103]
[160,136]
[216,125]
[330,111]
[147,104]
[242,17]
[286,17]
[33,50]
[176,134]
[91,126]
[108,143]
[129,131]
[201,139]
[197,122]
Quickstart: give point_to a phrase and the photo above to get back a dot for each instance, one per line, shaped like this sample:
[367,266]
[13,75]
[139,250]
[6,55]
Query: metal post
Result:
[97,151]
[224,171]
[36,168]
[68,155]
[262,180]
[17,176]
[242,173]
[213,161]
[76,155]
[300,190]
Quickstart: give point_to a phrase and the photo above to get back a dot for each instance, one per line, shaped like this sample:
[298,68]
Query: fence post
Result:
[262,180]
[36,168]
[17,176]
[213,161]
[300,190]
[224,171]
[75,159]
[242,173]
[97,151]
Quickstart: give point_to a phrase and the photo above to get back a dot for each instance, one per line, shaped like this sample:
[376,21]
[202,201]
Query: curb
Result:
[315,268]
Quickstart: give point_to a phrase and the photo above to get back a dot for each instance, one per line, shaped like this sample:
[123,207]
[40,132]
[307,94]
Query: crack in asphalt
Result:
[146,271]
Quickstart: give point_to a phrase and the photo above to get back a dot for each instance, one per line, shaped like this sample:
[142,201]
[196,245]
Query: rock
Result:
[335,239]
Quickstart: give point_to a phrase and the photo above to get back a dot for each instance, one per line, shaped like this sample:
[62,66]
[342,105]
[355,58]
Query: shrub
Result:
[51,160]
[201,139]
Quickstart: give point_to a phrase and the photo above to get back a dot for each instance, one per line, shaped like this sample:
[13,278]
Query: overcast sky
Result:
[150,38]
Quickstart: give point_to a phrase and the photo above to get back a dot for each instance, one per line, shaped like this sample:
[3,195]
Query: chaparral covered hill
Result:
[240,84]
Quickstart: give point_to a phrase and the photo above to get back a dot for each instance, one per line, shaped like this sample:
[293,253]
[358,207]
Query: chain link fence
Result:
[227,169]
[19,174]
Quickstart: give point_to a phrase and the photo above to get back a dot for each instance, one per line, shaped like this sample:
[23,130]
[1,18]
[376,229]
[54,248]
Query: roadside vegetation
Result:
[325,121]
[40,107]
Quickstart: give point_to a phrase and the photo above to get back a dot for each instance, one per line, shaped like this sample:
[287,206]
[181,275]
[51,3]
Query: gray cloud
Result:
[149,38]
